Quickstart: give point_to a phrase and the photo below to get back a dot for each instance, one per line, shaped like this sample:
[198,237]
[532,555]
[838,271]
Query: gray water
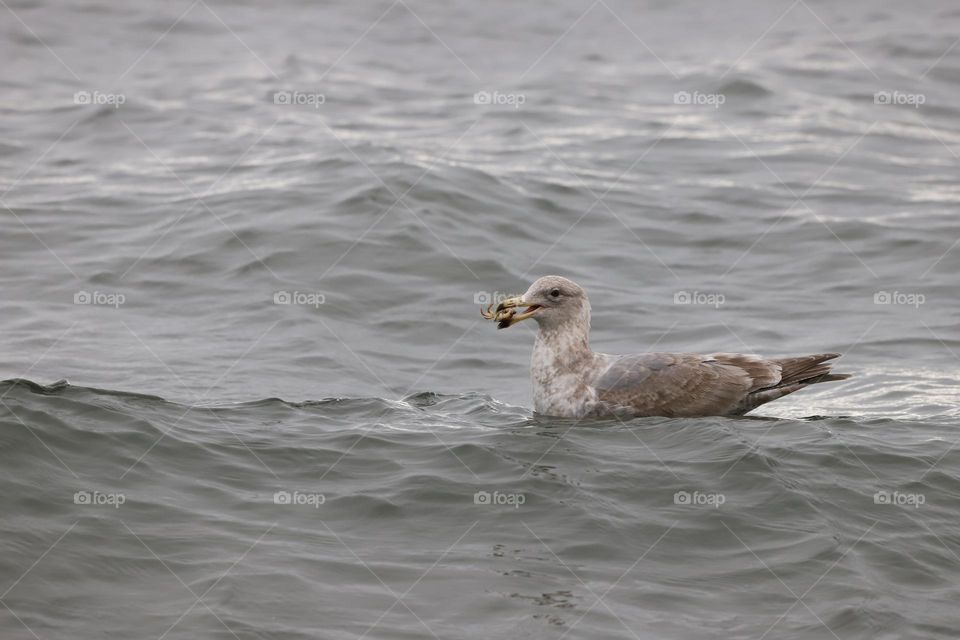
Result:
[171,174]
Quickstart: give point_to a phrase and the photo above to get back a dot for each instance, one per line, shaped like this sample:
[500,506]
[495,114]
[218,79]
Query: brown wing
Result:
[689,384]
[677,384]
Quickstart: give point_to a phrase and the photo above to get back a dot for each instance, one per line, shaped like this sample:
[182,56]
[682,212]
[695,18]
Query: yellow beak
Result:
[505,313]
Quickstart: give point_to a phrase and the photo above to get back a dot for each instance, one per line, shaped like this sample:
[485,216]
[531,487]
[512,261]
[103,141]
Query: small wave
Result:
[742,87]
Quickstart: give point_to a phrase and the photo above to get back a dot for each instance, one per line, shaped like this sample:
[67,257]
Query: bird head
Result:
[552,301]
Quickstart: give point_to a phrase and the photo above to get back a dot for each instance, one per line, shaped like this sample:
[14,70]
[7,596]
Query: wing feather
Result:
[689,384]
[677,384]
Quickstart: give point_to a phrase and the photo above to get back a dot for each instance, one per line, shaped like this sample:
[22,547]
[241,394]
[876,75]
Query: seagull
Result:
[572,381]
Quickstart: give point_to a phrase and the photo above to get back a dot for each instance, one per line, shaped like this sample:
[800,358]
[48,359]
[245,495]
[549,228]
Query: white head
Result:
[553,302]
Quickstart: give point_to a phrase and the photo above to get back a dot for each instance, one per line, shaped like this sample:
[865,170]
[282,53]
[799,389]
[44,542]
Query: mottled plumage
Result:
[570,380]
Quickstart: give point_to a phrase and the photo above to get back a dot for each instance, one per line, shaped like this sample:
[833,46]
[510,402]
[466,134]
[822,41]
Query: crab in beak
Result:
[506,314]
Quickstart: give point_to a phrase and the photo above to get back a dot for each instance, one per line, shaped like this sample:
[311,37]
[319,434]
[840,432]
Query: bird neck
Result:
[556,367]
[565,345]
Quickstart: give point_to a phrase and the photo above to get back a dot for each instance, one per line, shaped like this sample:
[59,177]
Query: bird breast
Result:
[558,386]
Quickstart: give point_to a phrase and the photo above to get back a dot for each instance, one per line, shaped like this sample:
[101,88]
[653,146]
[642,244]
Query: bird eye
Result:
[555,293]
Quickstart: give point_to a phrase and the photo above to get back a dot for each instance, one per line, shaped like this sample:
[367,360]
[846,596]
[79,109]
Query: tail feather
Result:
[829,377]
[805,369]
[795,374]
